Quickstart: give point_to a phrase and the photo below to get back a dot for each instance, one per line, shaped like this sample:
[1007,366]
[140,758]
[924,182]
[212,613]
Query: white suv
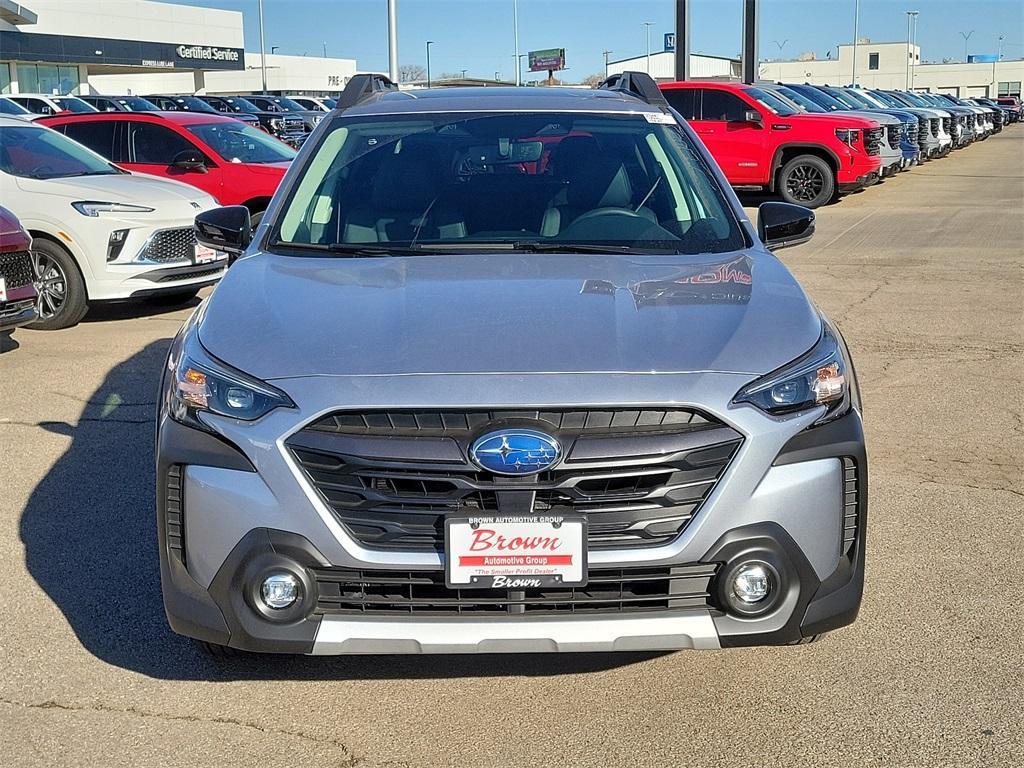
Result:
[100,232]
[46,104]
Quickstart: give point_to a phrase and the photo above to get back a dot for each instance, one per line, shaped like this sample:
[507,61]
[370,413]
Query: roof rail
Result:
[361,87]
[638,84]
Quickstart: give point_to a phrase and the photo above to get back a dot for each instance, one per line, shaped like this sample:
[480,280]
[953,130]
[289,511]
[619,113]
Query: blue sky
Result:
[476,35]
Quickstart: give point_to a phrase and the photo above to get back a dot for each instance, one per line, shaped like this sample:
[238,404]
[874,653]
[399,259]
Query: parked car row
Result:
[812,143]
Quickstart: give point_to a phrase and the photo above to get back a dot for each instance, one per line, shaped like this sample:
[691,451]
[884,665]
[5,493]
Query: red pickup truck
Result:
[761,143]
[234,162]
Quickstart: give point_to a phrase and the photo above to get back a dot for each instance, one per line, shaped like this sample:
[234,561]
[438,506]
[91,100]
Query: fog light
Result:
[280,590]
[751,583]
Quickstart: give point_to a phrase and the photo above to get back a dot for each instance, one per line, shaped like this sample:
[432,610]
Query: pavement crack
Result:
[351,761]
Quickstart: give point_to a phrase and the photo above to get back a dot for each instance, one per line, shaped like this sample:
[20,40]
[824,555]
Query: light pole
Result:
[856,33]
[781,45]
[325,49]
[910,43]
[515,31]
[263,49]
[913,68]
[429,43]
[966,37]
[392,41]
[606,54]
[647,29]
[519,67]
[999,55]
[464,73]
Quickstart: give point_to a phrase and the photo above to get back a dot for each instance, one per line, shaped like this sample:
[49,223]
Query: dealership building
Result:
[139,46]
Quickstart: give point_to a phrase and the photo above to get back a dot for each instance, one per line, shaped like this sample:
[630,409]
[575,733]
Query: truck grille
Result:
[391,478]
[167,245]
[947,125]
[923,132]
[873,141]
[342,591]
[895,131]
[16,268]
[934,127]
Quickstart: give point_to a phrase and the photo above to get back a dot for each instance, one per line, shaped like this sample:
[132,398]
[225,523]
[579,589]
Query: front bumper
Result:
[233,505]
[859,183]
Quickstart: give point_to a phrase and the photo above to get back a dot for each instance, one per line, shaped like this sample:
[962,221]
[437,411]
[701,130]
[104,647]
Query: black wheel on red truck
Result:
[807,180]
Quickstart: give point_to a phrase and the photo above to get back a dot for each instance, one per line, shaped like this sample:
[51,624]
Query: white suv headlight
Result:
[96,207]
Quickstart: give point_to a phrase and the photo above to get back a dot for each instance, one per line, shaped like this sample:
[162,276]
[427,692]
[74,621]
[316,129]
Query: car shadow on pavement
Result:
[89,533]
[106,311]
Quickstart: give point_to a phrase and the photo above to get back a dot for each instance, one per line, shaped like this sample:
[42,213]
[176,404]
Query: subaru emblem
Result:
[515,452]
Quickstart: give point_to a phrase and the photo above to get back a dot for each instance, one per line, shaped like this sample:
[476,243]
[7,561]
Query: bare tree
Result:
[408,73]
[593,80]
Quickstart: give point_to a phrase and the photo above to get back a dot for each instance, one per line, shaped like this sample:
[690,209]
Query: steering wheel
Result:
[599,212]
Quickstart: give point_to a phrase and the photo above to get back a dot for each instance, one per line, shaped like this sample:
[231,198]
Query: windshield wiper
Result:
[350,249]
[558,246]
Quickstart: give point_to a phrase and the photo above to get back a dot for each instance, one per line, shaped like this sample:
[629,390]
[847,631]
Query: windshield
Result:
[561,182]
[71,104]
[888,100]
[805,103]
[856,97]
[191,104]
[239,143]
[39,153]
[137,104]
[819,97]
[771,101]
[329,102]
[870,98]
[8,107]
[241,105]
[843,98]
[287,104]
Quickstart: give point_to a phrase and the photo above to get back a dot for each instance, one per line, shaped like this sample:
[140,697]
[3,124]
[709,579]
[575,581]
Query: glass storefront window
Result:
[5,77]
[47,78]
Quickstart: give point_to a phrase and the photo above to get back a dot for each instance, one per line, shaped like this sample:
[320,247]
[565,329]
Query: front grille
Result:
[175,520]
[947,124]
[923,132]
[16,269]
[391,478]
[873,141]
[895,131]
[294,125]
[342,591]
[934,127]
[168,245]
[851,493]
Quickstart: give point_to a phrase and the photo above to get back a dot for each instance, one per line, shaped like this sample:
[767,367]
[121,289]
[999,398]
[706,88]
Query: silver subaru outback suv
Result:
[508,370]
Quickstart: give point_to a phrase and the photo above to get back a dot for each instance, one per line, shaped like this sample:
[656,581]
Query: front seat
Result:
[404,204]
[594,183]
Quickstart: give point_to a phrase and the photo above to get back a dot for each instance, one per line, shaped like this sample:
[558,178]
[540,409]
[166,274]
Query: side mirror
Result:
[753,116]
[781,225]
[225,229]
[190,160]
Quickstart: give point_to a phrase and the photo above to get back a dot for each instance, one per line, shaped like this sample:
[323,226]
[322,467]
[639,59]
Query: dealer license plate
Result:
[512,552]
[206,255]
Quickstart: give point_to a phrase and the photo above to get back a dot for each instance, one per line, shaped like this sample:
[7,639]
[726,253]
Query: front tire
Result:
[62,299]
[807,180]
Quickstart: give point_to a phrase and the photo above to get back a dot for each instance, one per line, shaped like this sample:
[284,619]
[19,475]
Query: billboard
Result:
[549,59]
[670,42]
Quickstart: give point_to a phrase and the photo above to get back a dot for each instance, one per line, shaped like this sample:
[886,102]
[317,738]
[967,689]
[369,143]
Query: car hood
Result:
[282,316]
[135,188]
[882,117]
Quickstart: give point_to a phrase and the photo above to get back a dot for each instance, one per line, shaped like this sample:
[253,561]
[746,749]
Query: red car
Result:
[17,288]
[234,162]
[761,143]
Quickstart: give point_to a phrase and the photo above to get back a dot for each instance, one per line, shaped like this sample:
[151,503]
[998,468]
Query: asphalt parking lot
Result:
[925,275]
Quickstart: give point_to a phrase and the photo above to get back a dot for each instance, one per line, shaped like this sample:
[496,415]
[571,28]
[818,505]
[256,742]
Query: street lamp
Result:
[856,32]
[999,55]
[966,37]
[519,67]
[429,43]
[263,49]
[911,15]
[647,29]
[606,54]
[515,31]
[781,45]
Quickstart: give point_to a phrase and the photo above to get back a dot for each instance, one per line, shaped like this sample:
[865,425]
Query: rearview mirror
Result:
[753,116]
[225,229]
[190,160]
[782,225]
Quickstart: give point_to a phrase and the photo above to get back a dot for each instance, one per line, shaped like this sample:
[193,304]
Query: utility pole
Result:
[392,41]
[325,49]
[606,53]
[647,27]
[682,52]
[751,33]
[263,49]
[999,55]
[966,37]
[429,43]
[856,34]
[515,31]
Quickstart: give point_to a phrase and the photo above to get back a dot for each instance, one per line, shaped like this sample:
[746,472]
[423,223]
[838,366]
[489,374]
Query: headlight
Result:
[96,207]
[848,136]
[198,383]
[823,376]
